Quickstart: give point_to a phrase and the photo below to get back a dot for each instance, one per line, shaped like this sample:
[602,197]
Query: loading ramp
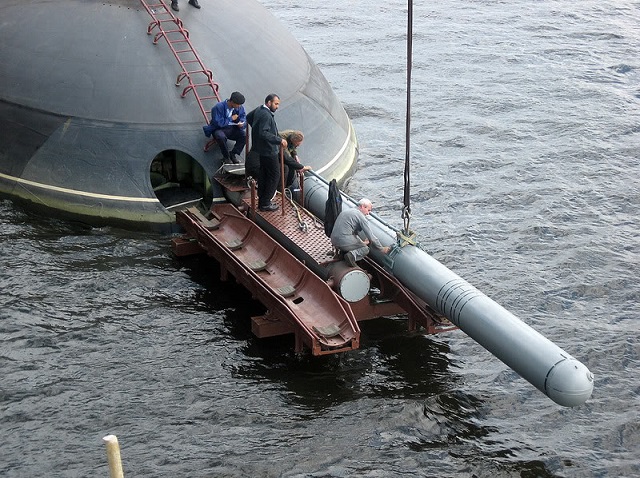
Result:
[295,297]
[291,271]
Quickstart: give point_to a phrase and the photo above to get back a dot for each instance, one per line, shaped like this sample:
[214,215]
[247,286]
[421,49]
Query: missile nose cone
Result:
[569,383]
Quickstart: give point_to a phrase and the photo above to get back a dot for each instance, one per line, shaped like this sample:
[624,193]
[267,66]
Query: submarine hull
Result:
[535,358]
[95,126]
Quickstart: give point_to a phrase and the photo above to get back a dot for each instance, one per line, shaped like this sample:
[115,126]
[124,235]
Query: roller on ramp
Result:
[321,319]
[534,357]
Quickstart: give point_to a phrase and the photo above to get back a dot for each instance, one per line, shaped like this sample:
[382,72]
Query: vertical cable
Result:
[406,211]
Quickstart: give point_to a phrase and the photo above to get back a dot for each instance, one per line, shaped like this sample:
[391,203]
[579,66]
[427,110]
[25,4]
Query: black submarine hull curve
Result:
[86,105]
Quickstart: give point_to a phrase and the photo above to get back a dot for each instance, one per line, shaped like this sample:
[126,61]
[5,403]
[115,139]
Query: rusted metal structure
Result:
[289,267]
[166,25]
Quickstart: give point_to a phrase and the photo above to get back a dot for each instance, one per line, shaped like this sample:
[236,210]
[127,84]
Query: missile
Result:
[554,372]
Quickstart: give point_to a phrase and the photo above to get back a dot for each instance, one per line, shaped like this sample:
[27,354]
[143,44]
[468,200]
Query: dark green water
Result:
[525,181]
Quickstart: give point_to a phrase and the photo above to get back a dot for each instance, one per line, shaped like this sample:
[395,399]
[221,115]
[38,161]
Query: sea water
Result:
[525,139]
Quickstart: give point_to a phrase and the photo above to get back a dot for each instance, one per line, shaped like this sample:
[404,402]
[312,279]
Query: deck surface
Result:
[297,224]
[300,226]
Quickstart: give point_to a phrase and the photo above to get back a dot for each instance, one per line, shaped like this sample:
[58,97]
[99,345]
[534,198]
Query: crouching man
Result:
[345,235]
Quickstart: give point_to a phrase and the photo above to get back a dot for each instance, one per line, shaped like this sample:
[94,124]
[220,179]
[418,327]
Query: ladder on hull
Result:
[199,78]
[320,318]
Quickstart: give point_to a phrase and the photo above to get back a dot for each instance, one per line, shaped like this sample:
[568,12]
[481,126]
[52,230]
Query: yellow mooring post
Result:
[113,455]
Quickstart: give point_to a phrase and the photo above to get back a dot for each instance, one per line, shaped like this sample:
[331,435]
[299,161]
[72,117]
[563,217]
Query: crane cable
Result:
[406,236]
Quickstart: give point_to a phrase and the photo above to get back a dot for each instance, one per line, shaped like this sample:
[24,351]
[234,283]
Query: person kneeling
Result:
[346,233]
[291,159]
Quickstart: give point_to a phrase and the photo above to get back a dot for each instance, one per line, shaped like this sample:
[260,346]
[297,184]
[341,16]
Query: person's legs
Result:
[239,136]
[353,254]
[289,176]
[267,179]
[220,135]
[252,165]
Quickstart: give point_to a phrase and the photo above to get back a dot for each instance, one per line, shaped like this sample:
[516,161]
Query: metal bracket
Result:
[406,237]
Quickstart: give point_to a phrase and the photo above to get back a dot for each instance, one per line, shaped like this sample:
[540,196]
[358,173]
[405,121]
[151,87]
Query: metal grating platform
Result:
[310,237]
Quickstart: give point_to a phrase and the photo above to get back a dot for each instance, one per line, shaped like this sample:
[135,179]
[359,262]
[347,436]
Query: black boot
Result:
[194,3]
[174,6]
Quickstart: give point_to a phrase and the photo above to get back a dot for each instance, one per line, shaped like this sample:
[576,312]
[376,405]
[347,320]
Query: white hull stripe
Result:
[76,192]
[337,156]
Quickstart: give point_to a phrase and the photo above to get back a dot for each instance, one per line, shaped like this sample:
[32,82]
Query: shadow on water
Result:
[391,361]
[216,295]
[391,366]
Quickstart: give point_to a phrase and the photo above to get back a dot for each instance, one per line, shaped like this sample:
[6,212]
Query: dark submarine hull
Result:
[93,125]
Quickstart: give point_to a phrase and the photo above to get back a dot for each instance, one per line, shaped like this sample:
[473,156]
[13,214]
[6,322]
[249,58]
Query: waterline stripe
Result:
[338,154]
[76,192]
[139,199]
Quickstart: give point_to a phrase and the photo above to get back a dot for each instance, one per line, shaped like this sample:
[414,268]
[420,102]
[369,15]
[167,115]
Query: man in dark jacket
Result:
[292,163]
[266,142]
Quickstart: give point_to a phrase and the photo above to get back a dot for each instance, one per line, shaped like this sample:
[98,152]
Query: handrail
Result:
[186,55]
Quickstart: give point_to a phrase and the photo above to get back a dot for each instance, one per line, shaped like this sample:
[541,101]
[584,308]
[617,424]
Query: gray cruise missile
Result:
[546,366]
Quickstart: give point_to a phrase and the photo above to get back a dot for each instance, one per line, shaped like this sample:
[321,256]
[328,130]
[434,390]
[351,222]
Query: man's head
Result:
[294,137]
[272,102]
[365,206]
[236,99]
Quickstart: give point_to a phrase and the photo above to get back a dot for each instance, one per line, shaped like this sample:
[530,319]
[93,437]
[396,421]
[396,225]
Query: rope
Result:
[301,224]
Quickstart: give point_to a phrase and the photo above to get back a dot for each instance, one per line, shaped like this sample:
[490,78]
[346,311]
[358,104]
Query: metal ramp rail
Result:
[198,77]
[320,318]
[310,245]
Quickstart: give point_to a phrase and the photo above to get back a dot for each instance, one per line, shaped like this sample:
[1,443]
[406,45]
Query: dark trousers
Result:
[268,178]
[290,176]
[234,133]
[252,165]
